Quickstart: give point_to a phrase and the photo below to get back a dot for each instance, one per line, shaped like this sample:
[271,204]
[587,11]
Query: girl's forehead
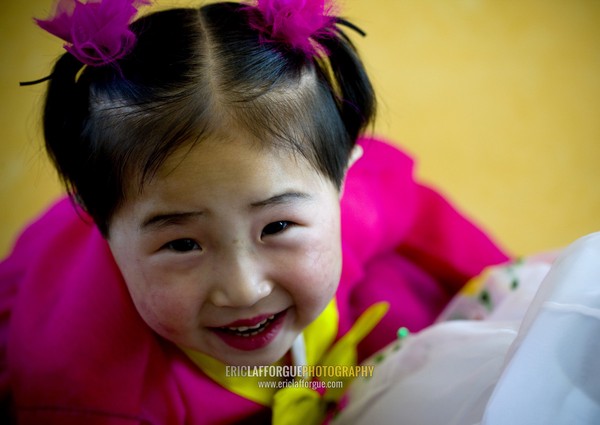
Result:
[227,146]
[235,158]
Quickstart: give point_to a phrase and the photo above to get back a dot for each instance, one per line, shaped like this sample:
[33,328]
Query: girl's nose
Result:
[239,283]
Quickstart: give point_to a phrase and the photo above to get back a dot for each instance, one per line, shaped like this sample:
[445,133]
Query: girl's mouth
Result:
[251,334]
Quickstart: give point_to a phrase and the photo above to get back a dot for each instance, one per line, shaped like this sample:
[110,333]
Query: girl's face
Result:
[232,250]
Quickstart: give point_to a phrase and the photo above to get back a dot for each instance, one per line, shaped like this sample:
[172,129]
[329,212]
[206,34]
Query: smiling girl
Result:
[232,250]
[223,211]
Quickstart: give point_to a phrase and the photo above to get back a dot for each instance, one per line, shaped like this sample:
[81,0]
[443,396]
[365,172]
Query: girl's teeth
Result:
[255,327]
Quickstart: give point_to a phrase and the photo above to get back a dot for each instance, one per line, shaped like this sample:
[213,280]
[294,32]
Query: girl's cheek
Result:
[317,278]
[167,312]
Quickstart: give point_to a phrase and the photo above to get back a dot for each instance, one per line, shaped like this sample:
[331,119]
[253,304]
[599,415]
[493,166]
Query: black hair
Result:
[193,72]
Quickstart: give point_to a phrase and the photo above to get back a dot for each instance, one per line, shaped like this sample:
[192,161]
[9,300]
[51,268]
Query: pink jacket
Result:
[74,350]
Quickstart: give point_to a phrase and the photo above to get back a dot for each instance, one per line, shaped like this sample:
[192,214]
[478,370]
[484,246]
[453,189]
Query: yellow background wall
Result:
[499,100]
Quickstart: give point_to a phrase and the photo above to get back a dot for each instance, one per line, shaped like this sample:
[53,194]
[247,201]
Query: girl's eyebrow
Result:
[282,198]
[158,221]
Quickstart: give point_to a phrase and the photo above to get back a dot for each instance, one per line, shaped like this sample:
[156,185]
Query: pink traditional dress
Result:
[74,350]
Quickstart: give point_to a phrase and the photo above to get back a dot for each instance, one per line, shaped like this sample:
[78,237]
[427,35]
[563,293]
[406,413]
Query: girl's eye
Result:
[275,227]
[182,245]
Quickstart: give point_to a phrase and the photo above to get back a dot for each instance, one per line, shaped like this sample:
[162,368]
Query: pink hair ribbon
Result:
[96,32]
[295,22]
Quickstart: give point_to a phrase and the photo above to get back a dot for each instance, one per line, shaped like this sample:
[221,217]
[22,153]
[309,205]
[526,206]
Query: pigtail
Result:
[348,80]
[65,111]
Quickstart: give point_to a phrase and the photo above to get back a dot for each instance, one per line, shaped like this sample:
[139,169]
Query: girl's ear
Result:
[355,154]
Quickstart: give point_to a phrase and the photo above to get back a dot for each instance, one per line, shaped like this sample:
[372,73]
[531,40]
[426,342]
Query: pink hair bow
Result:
[295,22]
[96,32]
